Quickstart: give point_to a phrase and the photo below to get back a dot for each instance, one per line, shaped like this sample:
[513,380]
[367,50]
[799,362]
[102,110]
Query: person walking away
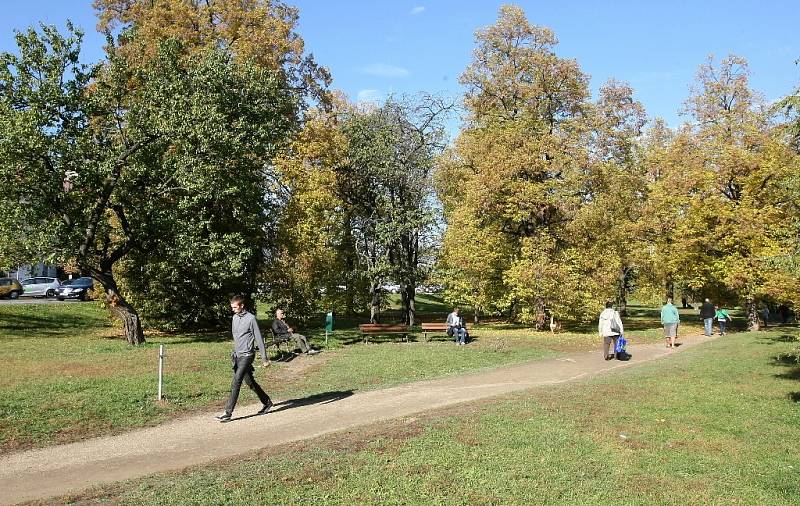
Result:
[723,318]
[246,335]
[282,331]
[670,319]
[455,327]
[609,326]
[707,313]
[765,315]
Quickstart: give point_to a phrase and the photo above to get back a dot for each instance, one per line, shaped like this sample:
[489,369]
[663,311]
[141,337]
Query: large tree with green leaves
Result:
[99,169]
[386,188]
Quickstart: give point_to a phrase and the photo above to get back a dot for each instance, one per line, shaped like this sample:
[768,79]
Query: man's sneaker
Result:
[265,408]
[224,417]
[312,352]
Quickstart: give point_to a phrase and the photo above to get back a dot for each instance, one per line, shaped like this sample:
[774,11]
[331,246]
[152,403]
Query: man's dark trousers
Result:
[243,371]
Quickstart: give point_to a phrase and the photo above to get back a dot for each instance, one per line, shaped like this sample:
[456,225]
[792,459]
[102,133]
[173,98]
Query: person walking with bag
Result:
[610,328]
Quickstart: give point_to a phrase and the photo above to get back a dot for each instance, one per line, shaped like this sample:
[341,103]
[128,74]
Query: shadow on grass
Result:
[790,361]
[793,374]
[211,336]
[785,338]
[323,398]
[26,325]
[770,338]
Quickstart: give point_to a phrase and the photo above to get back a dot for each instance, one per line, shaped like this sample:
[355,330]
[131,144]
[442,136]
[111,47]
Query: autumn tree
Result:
[606,228]
[261,31]
[716,193]
[308,255]
[516,172]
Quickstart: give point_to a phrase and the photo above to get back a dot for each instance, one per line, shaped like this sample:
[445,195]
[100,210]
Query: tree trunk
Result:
[541,315]
[670,287]
[752,315]
[131,324]
[622,292]
[409,304]
[475,314]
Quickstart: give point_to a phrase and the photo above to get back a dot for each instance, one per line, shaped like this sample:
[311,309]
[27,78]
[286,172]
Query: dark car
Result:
[75,289]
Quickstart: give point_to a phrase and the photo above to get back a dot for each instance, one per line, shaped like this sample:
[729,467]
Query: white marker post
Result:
[160,370]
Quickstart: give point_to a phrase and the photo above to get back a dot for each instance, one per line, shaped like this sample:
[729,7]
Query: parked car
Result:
[40,287]
[391,288]
[10,287]
[429,289]
[75,289]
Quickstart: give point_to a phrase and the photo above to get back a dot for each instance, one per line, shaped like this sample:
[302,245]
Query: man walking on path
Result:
[245,336]
[283,331]
[670,320]
[707,313]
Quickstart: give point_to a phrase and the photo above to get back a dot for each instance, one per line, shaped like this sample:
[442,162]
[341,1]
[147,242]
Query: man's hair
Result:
[238,298]
[707,300]
[609,304]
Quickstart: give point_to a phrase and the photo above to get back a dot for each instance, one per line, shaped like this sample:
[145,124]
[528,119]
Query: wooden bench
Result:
[368,329]
[276,342]
[438,327]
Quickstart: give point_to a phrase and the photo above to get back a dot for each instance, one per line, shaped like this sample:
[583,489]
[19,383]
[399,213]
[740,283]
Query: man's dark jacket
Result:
[280,329]
[707,311]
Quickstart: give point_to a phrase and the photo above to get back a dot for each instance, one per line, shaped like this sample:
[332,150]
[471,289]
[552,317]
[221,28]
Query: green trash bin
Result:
[328,325]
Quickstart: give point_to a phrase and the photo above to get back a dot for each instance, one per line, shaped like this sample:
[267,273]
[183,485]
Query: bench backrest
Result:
[383,327]
[440,326]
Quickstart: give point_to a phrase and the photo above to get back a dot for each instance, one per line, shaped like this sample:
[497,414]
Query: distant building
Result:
[30,271]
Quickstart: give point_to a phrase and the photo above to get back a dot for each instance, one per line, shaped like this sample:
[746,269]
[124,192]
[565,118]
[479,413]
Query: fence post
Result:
[160,370]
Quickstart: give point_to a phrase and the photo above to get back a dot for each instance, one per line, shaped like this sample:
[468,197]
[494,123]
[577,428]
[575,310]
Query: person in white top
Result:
[610,328]
[455,327]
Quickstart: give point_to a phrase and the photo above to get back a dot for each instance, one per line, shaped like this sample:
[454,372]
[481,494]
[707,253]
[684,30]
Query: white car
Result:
[391,288]
[40,287]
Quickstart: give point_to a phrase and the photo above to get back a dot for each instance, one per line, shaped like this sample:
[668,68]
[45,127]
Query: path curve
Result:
[58,470]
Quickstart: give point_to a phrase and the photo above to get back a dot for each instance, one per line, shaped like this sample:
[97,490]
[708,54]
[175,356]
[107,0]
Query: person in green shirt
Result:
[723,318]
[670,320]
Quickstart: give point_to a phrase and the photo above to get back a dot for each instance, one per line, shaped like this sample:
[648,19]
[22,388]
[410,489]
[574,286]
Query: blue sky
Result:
[375,48]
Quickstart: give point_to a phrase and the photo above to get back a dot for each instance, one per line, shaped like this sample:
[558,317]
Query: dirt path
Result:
[48,472]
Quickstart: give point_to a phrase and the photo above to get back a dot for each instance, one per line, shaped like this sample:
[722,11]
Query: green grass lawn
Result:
[716,424]
[67,375]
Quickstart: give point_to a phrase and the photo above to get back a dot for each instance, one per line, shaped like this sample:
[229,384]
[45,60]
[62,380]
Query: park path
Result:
[57,470]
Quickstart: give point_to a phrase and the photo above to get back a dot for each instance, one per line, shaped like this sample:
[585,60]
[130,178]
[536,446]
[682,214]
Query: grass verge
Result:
[67,375]
[716,424]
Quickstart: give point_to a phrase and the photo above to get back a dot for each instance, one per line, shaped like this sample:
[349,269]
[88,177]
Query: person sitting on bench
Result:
[455,327]
[285,332]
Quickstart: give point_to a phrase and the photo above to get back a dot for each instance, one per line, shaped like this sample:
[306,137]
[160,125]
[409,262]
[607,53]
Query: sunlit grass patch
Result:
[711,425]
